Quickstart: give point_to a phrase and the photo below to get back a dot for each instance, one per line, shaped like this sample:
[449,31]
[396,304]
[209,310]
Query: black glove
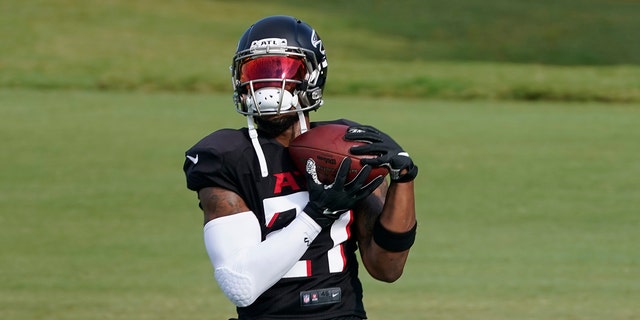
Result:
[328,202]
[389,153]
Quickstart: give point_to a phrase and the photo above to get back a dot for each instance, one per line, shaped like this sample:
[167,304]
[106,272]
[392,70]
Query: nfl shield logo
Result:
[305,298]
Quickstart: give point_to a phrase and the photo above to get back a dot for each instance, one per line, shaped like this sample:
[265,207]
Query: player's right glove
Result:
[328,202]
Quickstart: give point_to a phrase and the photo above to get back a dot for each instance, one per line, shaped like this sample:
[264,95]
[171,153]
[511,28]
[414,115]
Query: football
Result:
[327,147]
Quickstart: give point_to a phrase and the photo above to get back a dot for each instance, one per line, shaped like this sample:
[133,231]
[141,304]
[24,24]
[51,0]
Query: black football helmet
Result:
[280,66]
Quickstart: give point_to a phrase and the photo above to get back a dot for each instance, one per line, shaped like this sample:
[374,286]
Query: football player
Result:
[282,244]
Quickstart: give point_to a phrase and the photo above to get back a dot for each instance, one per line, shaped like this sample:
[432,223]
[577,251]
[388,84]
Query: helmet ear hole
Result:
[312,97]
[316,94]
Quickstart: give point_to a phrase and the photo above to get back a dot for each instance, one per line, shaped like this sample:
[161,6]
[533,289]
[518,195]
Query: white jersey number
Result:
[340,232]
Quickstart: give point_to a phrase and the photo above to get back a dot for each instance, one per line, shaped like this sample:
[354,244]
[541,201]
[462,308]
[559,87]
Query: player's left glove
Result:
[389,153]
[328,202]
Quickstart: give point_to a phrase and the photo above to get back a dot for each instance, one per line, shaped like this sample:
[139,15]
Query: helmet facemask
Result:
[273,80]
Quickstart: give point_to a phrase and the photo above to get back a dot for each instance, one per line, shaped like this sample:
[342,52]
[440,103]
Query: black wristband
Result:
[393,241]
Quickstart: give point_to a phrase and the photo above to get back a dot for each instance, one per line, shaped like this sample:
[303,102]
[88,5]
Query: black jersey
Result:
[324,283]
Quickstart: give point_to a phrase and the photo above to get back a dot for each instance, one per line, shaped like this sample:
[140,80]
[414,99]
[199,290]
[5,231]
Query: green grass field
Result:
[523,116]
[527,210]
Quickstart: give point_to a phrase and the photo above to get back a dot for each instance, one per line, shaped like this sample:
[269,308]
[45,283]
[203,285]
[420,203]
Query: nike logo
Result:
[193,159]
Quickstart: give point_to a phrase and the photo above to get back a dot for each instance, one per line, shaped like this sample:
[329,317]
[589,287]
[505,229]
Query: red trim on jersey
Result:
[344,257]
[308,268]
[273,220]
[348,227]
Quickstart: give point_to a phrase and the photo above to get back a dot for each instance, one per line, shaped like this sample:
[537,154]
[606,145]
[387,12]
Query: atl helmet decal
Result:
[268,43]
[316,42]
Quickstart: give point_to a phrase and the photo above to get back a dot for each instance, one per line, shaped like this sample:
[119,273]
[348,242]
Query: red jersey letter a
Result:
[285,179]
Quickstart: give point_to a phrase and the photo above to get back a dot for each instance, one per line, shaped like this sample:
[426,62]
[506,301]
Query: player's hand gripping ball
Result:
[327,147]
[388,153]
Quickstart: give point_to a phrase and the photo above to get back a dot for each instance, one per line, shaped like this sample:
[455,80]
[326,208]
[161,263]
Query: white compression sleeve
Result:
[245,266]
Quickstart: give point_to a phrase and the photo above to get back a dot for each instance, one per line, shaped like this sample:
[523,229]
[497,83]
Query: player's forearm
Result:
[239,256]
[399,211]
[387,248]
[384,265]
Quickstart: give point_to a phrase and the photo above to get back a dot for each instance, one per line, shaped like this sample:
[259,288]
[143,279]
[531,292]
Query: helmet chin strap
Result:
[303,122]
[253,134]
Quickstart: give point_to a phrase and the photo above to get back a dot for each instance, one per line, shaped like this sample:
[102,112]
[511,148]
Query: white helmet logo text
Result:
[268,43]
